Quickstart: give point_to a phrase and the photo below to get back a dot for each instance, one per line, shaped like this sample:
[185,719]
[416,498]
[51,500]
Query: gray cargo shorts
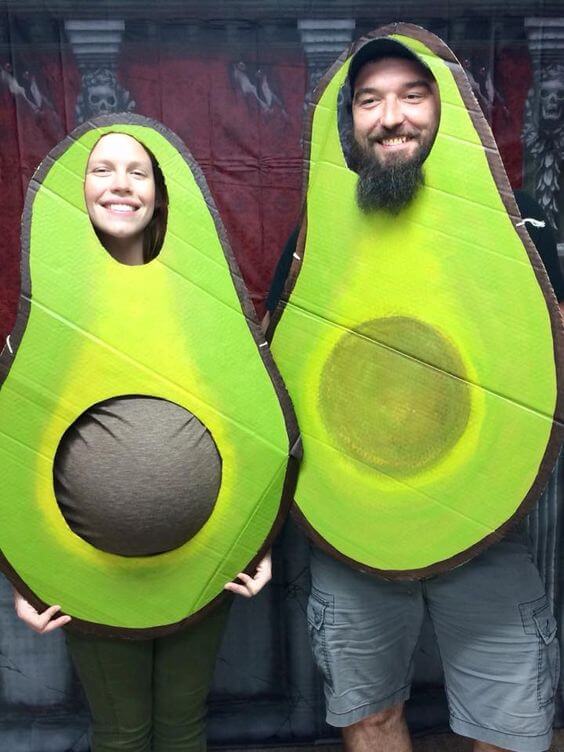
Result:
[495,633]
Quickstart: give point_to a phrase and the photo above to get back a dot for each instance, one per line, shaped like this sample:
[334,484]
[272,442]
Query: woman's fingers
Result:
[42,619]
[40,622]
[252,585]
[45,616]
[245,589]
[56,623]
[239,589]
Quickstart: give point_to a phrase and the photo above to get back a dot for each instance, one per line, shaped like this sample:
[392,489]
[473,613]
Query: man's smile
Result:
[393,142]
[405,144]
[397,141]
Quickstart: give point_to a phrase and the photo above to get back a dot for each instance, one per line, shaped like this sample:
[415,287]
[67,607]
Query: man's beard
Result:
[386,186]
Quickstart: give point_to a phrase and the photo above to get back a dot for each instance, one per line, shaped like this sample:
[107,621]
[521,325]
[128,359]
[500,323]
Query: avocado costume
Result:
[422,350]
[180,329]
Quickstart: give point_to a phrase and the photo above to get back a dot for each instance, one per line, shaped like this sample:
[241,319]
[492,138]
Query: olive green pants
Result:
[149,695]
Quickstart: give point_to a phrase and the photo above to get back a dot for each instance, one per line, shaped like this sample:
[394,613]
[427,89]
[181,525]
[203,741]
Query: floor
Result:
[432,743]
[452,743]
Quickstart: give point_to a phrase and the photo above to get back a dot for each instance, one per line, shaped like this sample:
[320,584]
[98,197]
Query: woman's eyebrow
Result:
[110,162]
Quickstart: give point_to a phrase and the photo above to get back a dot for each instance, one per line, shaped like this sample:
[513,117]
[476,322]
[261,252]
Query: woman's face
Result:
[119,187]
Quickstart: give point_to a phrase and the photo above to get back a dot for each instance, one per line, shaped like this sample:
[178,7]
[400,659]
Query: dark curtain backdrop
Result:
[231,80]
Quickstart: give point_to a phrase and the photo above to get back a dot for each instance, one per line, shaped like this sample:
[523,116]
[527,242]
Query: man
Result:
[491,617]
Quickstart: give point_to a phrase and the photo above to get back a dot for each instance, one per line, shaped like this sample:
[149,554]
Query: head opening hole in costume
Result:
[376,51]
[126,197]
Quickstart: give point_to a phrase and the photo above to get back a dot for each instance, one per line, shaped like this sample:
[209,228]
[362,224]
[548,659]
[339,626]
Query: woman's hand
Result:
[252,585]
[39,622]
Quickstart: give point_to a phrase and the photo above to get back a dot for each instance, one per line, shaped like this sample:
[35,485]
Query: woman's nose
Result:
[120,182]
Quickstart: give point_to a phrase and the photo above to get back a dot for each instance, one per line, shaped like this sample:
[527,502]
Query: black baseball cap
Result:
[378,48]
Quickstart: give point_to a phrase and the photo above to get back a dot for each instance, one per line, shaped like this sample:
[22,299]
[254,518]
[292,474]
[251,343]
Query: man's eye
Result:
[139,174]
[367,100]
[414,97]
[100,171]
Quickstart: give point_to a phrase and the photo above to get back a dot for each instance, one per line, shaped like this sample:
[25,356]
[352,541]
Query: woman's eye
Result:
[100,171]
[139,174]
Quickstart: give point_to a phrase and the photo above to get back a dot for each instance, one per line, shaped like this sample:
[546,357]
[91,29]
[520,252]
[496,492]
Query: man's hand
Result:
[252,585]
[41,623]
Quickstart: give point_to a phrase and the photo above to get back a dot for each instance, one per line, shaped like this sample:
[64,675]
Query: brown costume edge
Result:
[247,308]
[501,180]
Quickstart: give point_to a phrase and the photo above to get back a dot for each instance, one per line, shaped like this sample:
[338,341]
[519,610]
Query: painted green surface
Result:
[371,485]
[97,329]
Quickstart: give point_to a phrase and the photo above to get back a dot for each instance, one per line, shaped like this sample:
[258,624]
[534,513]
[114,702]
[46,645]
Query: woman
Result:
[143,694]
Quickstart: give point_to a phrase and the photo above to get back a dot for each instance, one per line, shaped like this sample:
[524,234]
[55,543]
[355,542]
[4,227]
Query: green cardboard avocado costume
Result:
[423,354]
[93,335]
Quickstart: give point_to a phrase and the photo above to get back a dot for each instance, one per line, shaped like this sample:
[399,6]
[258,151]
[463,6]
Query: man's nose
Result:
[392,113]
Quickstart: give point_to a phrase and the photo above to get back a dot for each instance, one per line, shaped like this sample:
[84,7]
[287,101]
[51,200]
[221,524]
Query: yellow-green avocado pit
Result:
[366,373]
[420,349]
[177,329]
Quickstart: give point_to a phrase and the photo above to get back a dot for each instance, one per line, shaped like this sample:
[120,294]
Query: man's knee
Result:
[485,747]
[384,720]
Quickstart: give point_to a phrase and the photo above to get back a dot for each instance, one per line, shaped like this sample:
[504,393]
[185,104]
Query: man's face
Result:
[395,111]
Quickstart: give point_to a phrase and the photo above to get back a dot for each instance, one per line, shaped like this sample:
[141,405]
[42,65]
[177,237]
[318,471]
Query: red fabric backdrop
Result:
[250,157]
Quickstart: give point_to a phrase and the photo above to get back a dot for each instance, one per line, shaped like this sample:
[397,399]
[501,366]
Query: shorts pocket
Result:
[538,619]
[320,609]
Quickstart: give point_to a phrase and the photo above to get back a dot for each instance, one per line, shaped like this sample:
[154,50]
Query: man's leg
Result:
[496,636]
[363,631]
[381,732]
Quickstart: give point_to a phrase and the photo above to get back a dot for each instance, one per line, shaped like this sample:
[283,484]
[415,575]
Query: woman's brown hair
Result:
[154,234]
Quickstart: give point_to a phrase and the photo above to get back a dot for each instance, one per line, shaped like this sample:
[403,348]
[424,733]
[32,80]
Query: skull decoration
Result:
[101,93]
[543,135]
[102,99]
[552,96]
